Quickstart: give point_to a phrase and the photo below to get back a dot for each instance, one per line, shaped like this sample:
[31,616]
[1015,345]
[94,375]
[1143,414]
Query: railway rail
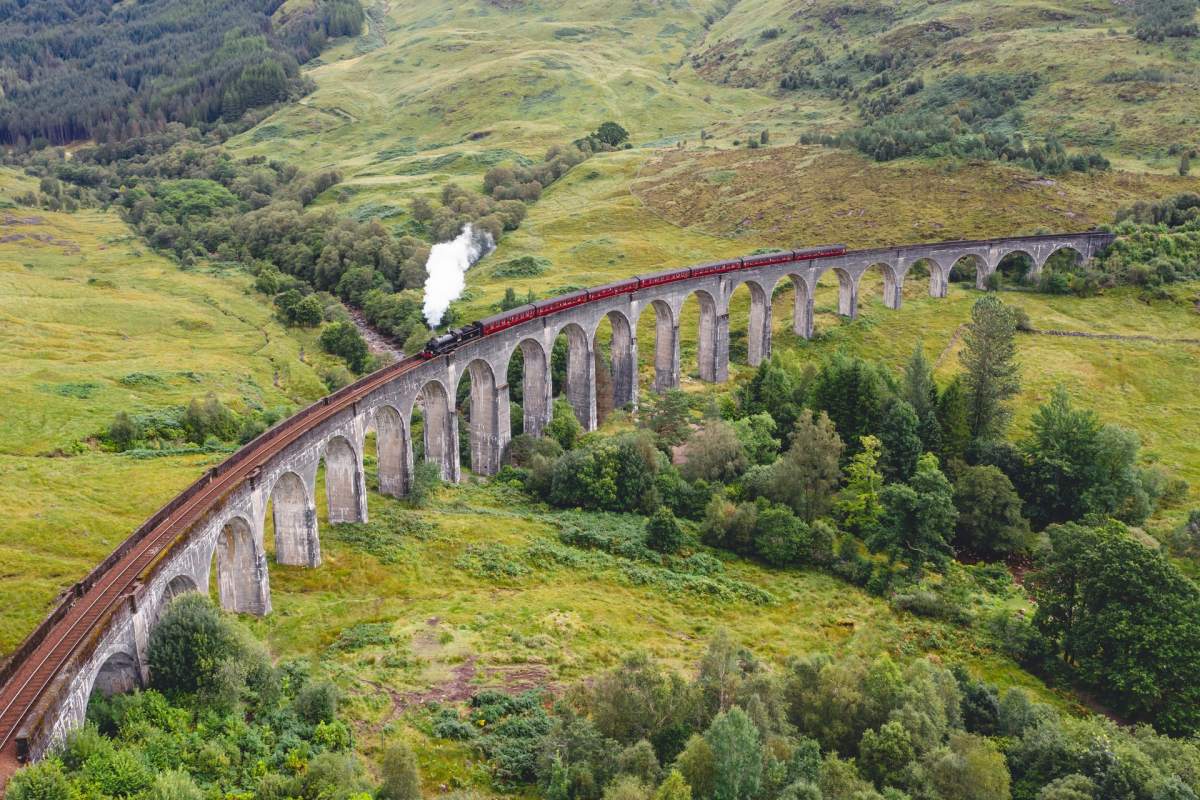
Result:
[32,668]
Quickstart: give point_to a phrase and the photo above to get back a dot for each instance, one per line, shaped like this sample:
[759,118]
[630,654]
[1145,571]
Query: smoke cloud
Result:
[447,268]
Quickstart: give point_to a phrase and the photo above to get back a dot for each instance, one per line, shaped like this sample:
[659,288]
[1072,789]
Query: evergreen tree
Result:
[991,371]
[901,441]
[953,422]
[918,518]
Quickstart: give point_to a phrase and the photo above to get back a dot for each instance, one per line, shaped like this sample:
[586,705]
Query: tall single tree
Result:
[808,473]
[989,358]
[902,445]
[921,392]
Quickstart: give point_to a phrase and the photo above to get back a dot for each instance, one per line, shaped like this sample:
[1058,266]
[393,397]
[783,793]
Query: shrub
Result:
[44,780]
[780,538]
[714,454]
[426,479]
[188,645]
[174,785]
[564,426]
[398,769]
[342,339]
[317,702]
[663,533]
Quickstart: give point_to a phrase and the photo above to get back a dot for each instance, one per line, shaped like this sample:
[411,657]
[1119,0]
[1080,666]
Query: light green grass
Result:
[91,323]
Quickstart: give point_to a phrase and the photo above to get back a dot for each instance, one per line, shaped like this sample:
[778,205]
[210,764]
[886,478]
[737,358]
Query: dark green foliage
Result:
[614,474]
[342,339]
[775,390]
[899,431]
[122,432]
[918,518]
[111,71]
[317,702]
[1077,467]
[667,416]
[663,533]
[736,756]
[564,427]
[1126,619]
[44,780]
[611,134]
[988,358]
[954,426]
[426,479]
[189,645]
[853,393]
[807,475]
[206,418]
[989,513]
[780,538]
[1161,19]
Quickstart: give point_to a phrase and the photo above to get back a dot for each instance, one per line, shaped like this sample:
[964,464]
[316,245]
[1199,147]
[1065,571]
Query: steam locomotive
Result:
[451,340]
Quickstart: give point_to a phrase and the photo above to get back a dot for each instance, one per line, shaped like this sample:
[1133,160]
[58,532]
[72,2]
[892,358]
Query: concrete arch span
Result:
[439,428]
[488,428]
[712,346]
[294,517]
[241,569]
[758,327]
[666,345]
[616,379]
[118,674]
[345,488]
[893,283]
[536,388]
[580,384]
[393,451]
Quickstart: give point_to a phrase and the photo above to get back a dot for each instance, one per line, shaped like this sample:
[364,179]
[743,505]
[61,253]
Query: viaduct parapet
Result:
[96,638]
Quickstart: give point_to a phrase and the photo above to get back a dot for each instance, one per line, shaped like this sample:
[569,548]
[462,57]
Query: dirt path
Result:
[1118,337]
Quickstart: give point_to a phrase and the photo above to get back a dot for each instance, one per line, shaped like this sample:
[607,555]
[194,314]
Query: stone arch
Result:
[117,675]
[666,345]
[1078,256]
[616,375]
[893,283]
[393,451]
[294,518]
[180,584]
[529,367]
[439,429]
[343,481]
[483,416]
[580,384]
[712,359]
[938,275]
[239,581]
[802,308]
[1013,256]
[758,328]
[969,261]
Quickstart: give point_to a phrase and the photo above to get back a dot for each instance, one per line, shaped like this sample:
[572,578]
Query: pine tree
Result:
[989,358]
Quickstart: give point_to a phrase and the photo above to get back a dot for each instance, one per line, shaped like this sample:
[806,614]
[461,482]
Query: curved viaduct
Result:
[96,637]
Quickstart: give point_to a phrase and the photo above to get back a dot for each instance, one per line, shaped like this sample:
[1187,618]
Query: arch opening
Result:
[710,343]
[792,298]
[293,517]
[882,277]
[968,269]
[393,456]
[1063,260]
[439,445]
[529,388]
[749,324]
[180,584]
[117,675]
[1016,267]
[480,404]
[615,365]
[237,569]
[573,372]
[927,269]
[657,319]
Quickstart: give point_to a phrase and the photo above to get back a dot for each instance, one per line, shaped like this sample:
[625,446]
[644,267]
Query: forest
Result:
[105,70]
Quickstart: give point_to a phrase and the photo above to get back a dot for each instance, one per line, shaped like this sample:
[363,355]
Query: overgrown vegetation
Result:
[219,719]
[820,726]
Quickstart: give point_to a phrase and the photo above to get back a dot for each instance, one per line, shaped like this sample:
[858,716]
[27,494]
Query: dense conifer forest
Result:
[79,69]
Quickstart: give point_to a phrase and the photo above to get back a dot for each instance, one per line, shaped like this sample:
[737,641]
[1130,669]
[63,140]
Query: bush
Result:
[189,645]
[781,538]
[426,479]
[663,533]
[564,426]
[174,785]
[342,339]
[317,702]
[398,769]
[44,780]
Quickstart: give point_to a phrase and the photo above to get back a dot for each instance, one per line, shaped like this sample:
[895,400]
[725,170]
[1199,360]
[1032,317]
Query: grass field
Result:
[438,628]
[92,323]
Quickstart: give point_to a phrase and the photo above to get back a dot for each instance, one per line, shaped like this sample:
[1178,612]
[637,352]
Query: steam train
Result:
[451,340]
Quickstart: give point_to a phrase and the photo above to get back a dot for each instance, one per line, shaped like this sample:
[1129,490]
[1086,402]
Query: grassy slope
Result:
[555,625]
[82,310]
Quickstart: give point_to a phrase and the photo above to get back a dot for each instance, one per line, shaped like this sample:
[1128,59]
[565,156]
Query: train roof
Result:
[561,297]
[661,273]
[494,318]
[615,284]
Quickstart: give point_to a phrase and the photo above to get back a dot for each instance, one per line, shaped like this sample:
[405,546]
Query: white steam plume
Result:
[447,268]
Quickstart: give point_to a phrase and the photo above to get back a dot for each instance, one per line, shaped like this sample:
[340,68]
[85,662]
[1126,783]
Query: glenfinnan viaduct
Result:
[96,637]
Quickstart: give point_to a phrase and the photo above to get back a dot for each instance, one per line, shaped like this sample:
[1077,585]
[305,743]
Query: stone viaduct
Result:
[96,638]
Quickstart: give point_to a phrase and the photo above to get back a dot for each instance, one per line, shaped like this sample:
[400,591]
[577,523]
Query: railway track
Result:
[62,638]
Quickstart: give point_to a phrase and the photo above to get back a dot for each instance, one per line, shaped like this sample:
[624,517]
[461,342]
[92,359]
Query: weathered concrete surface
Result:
[231,537]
